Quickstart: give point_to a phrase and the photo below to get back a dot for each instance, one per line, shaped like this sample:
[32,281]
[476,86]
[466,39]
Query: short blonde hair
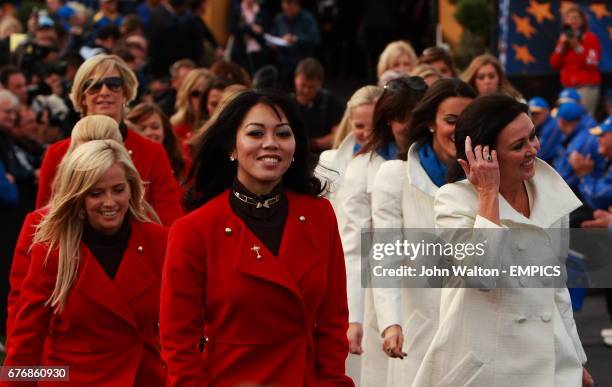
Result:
[393,51]
[469,75]
[425,71]
[94,127]
[185,114]
[367,95]
[95,68]
[62,227]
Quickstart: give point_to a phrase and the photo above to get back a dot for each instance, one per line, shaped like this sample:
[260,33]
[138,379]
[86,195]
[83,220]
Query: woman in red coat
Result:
[258,269]
[104,84]
[90,299]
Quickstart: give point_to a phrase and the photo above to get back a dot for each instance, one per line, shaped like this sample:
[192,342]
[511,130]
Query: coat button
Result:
[139,248]
[302,218]
[521,246]
[130,152]
[228,231]
[546,317]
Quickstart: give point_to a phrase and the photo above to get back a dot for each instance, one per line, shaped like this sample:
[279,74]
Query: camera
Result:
[567,30]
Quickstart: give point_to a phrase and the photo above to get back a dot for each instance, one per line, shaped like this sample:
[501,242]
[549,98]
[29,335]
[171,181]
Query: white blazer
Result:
[403,197]
[355,199]
[506,337]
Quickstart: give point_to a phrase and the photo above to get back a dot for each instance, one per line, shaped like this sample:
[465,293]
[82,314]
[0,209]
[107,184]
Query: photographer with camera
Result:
[577,56]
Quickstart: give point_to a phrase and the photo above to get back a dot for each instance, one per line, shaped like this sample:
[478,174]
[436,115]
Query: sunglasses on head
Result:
[114,84]
[413,83]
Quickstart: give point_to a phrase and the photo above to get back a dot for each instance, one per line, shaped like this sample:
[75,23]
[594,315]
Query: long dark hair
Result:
[212,171]
[483,120]
[424,114]
[398,99]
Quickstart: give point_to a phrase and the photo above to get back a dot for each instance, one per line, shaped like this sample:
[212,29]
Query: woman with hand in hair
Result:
[387,141]
[257,266]
[90,299]
[504,331]
[403,198]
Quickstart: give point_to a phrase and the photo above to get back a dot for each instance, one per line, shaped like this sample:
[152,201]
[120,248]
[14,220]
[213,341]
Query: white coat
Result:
[355,199]
[403,197]
[506,337]
[331,170]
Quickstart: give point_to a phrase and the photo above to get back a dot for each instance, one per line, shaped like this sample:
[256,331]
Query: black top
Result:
[266,223]
[108,249]
[322,114]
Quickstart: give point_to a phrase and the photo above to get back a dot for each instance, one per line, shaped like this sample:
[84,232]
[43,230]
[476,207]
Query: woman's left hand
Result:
[393,339]
[587,379]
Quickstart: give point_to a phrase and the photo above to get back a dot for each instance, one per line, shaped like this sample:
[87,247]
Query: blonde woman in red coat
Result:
[258,267]
[90,299]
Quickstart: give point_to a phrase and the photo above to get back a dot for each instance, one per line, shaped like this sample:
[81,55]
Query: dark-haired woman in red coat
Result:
[258,268]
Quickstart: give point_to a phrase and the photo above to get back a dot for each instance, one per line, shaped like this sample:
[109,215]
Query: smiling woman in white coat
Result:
[504,337]
[386,142]
[403,198]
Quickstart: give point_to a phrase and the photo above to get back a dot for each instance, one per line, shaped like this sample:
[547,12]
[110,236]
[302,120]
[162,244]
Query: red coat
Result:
[151,161]
[578,68]
[183,134]
[276,320]
[108,331]
[20,265]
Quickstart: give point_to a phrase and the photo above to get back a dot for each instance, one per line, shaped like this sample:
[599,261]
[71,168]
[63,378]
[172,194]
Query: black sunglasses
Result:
[413,83]
[114,84]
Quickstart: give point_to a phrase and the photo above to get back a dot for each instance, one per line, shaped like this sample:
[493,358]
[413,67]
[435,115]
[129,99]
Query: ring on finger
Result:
[489,158]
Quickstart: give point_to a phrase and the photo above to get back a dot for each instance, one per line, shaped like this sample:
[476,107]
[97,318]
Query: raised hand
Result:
[481,167]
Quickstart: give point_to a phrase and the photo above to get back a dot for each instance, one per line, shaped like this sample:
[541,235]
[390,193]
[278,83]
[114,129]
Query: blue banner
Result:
[528,32]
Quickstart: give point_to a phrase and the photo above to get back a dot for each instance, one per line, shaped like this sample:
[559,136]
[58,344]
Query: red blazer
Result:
[151,161]
[20,265]
[578,68]
[183,134]
[108,331]
[275,320]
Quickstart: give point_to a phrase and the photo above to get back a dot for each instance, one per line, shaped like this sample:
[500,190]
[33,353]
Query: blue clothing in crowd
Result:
[597,191]
[550,137]
[583,142]
[8,190]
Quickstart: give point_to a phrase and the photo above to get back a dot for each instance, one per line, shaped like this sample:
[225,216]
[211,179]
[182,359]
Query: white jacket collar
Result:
[417,176]
[552,199]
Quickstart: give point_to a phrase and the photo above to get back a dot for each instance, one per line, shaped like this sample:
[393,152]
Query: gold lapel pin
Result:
[139,248]
[256,248]
[302,218]
[228,231]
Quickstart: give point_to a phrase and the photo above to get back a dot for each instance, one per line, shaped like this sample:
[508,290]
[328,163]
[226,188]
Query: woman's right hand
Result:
[393,340]
[481,168]
[354,335]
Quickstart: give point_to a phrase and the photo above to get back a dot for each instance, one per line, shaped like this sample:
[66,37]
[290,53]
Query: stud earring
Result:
[431,130]
[232,158]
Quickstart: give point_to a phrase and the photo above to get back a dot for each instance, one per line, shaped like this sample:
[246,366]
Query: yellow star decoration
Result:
[523,54]
[540,11]
[523,26]
[599,10]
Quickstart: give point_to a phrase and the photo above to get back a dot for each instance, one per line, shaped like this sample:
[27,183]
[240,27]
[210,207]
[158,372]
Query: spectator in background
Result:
[131,25]
[299,29]
[248,24]
[231,72]
[14,80]
[441,59]
[486,75]
[108,15]
[150,121]
[571,95]
[189,116]
[164,92]
[579,153]
[577,56]
[8,190]
[212,96]
[210,47]
[318,107]
[398,56]
[597,190]
[267,77]
[548,133]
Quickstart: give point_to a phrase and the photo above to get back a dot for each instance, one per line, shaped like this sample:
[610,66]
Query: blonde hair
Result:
[367,95]
[62,227]
[390,54]
[94,127]
[424,71]
[95,68]
[505,87]
[9,25]
[185,114]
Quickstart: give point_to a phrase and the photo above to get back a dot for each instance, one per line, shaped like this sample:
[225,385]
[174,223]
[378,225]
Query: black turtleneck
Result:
[108,249]
[123,129]
[266,223]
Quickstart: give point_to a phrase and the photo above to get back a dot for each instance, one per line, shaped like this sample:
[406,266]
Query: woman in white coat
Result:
[403,198]
[510,336]
[387,141]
